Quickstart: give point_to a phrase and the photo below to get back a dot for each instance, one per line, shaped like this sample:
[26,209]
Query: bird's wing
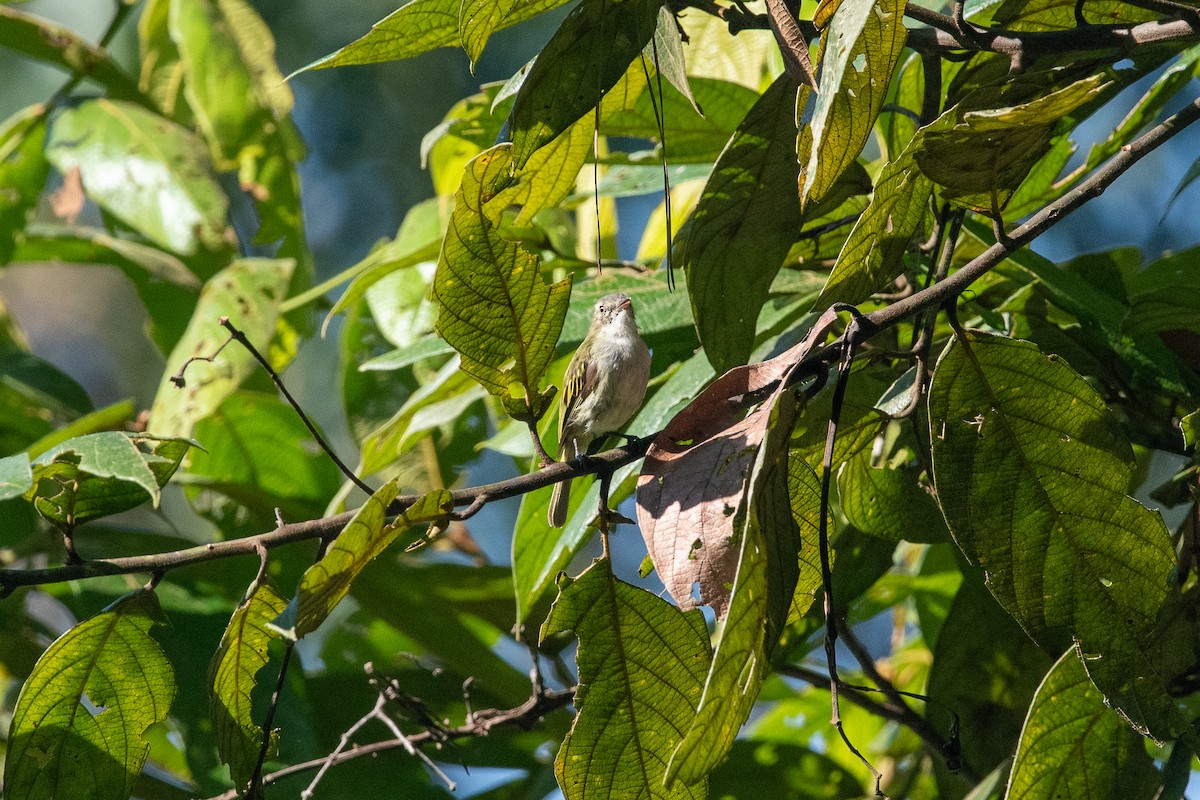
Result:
[580,381]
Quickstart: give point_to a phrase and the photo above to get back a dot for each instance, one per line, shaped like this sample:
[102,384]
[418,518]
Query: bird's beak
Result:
[625,304]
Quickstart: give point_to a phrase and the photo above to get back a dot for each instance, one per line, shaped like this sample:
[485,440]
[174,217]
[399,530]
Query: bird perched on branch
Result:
[605,384]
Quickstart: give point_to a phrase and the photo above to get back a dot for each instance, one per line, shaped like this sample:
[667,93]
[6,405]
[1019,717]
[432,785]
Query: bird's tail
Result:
[559,501]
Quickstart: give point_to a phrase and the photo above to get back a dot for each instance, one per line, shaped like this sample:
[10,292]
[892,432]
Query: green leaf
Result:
[16,477]
[417,27]
[860,49]
[873,255]
[642,664]
[79,721]
[1021,432]
[743,226]
[100,474]
[889,503]
[986,669]
[1073,745]
[162,72]
[172,197]
[493,306]
[759,768]
[248,292]
[477,19]
[984,157]
[23,170]
[325,583]
[258,453]
[42,39]
[585,58]
[232,677]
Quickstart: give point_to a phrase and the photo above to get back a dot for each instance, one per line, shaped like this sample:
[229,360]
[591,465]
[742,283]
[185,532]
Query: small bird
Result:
[605,384]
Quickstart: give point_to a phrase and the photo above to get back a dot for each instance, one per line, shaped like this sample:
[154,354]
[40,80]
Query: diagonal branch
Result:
[871,324]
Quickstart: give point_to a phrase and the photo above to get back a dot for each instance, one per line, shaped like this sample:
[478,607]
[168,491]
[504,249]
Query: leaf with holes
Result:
[232,677]
[77,728]
[642,664]
[859,53]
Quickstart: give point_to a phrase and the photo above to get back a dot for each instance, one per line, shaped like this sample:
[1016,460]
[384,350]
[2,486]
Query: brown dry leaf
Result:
[792,44]
[67,201]
[695,473]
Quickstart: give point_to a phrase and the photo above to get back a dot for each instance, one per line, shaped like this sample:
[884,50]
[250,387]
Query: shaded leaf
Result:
[744,223]
[765,768]
[23,170]
[417,27]
[248,292]
[368,534]
[44,40]
[1022,433]
[1075,746]
[984,157]
[493,306]
[585,58]
[859,53]
[79,721]
[889,503]
[232,675]
[171,197]
[642,664]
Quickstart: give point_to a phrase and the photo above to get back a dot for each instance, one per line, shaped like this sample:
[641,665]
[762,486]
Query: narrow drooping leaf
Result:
[417,27]
[54,44]
[477,20]
[325,583]
[248,292]
[873,255]
[23,170]
[804,492]
[642,664]
[493,305]
[860,50]
[232,677]
[1073,745]
[665,51]
[1032,473]
[230,98]
[77,728]
[585,58]
[172,198]
[744,223]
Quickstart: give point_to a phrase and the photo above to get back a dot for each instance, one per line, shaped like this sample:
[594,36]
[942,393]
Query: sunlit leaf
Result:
[642,664]
[493,305]
[419,26]
[232,677]
[248,292]
[16,477]
[79,721]
[150,173]
[860,50]
[366,536]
